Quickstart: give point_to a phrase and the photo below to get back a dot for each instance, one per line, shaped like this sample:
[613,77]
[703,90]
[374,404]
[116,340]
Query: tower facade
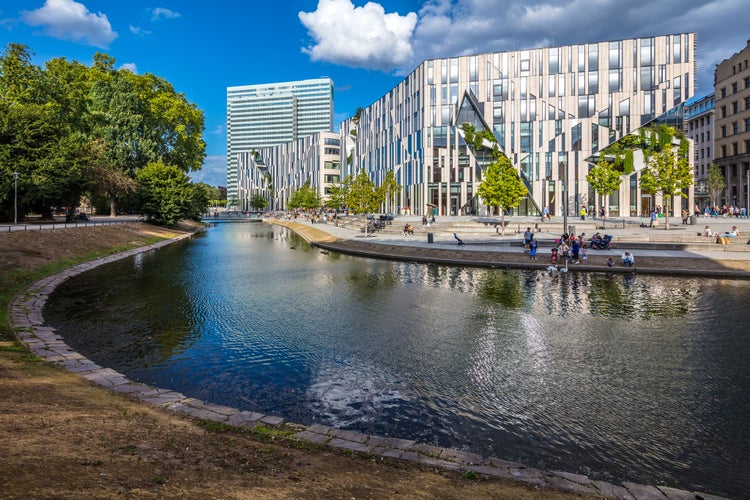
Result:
[264,115]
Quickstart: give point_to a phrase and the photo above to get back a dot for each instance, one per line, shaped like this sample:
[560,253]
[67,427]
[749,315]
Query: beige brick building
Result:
[732,126]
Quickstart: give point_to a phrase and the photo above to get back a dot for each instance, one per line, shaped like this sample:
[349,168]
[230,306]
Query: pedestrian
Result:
[545,212]
[653,218]
[684,217]
[575,250]
[583,213]
[610,262]
[532,248]
[527,236]
[584,254]
[628,259]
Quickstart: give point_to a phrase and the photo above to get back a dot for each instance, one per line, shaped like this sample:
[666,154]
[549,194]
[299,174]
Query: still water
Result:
[643,379]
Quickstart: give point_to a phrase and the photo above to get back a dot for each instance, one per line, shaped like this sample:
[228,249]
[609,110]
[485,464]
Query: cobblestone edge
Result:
[27,323]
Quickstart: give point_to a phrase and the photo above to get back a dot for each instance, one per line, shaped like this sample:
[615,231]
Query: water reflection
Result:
[620,377]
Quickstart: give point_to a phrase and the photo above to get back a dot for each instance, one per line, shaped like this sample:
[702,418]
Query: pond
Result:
[622,378]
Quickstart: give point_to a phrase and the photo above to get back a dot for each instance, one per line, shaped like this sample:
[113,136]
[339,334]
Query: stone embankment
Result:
[27,323]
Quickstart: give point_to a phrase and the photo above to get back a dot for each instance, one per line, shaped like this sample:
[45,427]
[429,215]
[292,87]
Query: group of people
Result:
[721,211]
[572,248]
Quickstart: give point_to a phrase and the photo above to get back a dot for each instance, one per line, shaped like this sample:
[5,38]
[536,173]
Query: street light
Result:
[15,197]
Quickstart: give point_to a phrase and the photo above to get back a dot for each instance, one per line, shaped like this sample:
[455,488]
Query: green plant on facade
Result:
[668,173]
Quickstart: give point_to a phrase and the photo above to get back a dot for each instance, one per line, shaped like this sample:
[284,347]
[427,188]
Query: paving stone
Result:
[311,437]
[272,420]
[389,442]
[350,445]
[675,494]
[357,437]
[436,462]
[386,452]
[131,387]
[561,483]
[488,470]
[644,492]
[163,399]
[528,475]
[612,491]
[427,449]
[462,457]
[709,496]
[244,418]
[224,410]
[319,428]
[576,478]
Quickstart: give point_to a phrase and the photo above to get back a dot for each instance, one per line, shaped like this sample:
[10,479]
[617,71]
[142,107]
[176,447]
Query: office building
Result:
[732,127]
[275,172]
[549,109]
[264,115]
[699,127]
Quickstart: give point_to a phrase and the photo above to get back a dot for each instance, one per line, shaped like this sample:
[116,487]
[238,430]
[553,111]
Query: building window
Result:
[735,148]
[723,151]
[747,125]
[723,111]
[735,106]
[723,92]
[735,128]
[734,88]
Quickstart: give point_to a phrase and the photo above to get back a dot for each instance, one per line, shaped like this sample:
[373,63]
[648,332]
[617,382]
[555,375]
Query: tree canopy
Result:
[501,187]
[668,173]
[69,129]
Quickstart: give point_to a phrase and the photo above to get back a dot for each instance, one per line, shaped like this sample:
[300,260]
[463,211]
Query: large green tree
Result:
[501,186]
[363,196]
[668,173]
[166,195]
[306,197]
[604,178]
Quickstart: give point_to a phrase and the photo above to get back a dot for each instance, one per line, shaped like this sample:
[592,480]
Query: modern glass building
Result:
[549,109]
[264,115]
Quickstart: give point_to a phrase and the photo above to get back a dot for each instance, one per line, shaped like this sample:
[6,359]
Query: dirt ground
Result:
[64,437]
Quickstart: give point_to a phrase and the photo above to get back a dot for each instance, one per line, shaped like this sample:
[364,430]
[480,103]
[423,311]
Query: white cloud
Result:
[138,31]
[363,37]
[70,20]
[130,67]
[213,173]
[159,13]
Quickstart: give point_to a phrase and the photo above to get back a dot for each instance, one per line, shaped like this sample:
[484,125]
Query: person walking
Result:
[583,213]
[653,218]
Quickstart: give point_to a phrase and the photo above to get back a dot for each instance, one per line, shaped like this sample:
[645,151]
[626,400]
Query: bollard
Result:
[430,238]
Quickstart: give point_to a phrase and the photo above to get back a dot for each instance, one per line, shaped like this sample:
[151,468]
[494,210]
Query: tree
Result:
[306,197]
[668,173]
[604,178]
[715,182]
[389,190]
[363,196]
[258,201]
[166,195]
[501,187]
[337,194]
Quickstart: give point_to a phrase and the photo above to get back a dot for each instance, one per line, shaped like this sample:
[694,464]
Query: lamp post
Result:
[15,197]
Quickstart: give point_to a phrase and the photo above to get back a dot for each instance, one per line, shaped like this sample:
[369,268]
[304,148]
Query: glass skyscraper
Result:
[269,114]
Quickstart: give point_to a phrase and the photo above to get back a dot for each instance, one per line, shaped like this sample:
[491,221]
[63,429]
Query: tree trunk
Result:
[112,206]
[502,219]
[666,212]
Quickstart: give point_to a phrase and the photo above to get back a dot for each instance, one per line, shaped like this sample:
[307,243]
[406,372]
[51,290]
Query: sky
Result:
[366,48]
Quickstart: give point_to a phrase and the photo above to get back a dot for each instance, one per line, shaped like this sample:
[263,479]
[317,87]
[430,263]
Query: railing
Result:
[62,225]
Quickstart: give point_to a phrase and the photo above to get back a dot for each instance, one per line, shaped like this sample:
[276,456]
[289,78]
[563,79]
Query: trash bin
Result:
[693,220]
[430,238]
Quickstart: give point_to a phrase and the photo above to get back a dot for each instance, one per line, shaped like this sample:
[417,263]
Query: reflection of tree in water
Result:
[626,296]
[502,288]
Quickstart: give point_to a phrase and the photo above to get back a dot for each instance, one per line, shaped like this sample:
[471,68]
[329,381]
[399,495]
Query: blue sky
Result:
[365,47]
